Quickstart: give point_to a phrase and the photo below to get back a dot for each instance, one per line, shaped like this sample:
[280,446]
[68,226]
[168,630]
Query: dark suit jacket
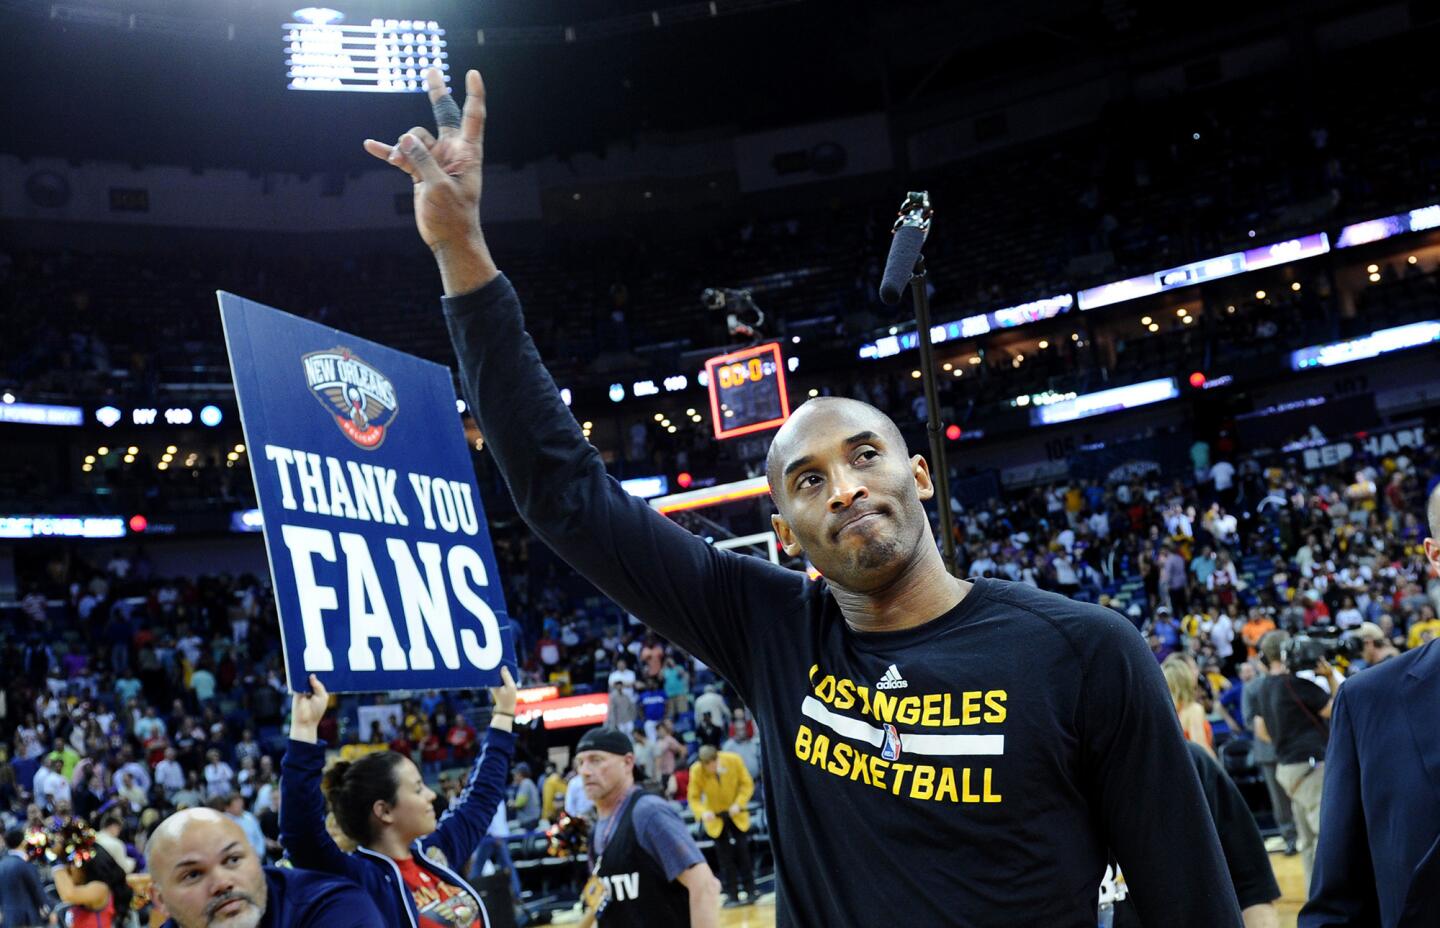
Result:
[21,897]
[1378,862]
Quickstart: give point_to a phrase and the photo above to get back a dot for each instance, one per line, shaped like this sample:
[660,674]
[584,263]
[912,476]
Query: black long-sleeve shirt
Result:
[975,770]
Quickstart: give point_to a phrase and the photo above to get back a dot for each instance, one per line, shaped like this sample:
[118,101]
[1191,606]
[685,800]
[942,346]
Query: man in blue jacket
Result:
[1378,861]
[22,901]
[204,873]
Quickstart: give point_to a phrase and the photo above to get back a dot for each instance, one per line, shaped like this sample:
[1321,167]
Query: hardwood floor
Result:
[1288,873]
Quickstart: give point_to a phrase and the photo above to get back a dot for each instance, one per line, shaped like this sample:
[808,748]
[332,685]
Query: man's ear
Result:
[788,542]
[1432,552]
[157,899]
[921,471]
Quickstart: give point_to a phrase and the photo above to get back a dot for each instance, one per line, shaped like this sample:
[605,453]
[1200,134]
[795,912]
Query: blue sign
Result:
[385,578]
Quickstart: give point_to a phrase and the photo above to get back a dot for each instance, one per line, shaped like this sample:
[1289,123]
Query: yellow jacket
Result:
[730,785]
[552,794]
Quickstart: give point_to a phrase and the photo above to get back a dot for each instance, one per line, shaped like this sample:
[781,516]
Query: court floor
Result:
[1288,873]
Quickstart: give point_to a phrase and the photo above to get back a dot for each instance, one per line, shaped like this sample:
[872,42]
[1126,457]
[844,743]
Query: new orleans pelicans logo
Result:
[361,399]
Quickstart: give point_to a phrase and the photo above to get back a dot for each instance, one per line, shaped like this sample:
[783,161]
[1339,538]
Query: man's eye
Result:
[805,481]
[869,453]
[190,875]
[233,859]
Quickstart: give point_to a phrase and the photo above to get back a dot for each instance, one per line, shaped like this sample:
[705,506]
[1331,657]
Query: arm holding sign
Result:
[704,599]
[302,804]
[465,823]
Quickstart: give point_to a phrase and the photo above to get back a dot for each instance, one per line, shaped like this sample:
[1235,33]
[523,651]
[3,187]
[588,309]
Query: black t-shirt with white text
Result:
[977,770]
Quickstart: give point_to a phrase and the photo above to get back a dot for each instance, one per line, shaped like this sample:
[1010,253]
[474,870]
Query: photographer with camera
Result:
[1294,717]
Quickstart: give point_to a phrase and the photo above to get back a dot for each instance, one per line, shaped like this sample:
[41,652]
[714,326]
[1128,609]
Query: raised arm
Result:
[707,601]
[302,804]
[466,821]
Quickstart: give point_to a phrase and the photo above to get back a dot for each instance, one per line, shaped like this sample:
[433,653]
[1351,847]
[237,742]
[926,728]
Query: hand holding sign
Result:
[446,173]
[505,695]
[306,711]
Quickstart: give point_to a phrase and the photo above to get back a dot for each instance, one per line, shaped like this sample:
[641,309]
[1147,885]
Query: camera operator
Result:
[1375,648]
[1295,719]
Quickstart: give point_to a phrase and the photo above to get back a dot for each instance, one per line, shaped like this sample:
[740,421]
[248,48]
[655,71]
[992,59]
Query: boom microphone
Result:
[910,231]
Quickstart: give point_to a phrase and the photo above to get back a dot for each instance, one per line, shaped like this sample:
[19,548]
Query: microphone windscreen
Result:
[904,252]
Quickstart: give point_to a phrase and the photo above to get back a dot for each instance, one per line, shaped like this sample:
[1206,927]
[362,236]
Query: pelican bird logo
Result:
[360,398]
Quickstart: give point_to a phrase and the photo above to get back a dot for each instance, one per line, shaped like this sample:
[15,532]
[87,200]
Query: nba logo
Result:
[891,750]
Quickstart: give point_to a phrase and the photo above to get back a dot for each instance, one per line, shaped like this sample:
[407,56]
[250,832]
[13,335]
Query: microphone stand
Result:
[916,211]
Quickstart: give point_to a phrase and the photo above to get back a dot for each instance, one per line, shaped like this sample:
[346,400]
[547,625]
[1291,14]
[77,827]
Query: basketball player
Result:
[937,751]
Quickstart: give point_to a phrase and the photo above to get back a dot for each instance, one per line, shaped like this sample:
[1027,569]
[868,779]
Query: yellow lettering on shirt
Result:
[970,707]
[995,702]
[930,716]
[836,756]
[922,785]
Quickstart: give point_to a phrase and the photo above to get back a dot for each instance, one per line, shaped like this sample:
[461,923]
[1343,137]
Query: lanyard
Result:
[614,822]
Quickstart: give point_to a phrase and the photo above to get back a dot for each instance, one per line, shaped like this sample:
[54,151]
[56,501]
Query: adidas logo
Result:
[892,680]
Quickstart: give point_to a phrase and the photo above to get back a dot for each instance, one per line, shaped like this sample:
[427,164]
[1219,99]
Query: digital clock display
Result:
[747,391]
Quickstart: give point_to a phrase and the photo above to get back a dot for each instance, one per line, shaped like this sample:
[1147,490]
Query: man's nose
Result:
[847,495]
[221,884]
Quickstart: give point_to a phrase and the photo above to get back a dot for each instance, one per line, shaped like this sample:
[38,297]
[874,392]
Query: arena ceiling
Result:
[201,82]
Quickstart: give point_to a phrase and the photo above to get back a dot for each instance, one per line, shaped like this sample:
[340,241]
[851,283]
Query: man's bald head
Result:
[823,412]
[184,828]
[1432,513]
[849,493]
[204,871]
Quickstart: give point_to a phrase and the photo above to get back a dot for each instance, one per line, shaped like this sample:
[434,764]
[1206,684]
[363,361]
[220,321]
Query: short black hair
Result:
[14,837]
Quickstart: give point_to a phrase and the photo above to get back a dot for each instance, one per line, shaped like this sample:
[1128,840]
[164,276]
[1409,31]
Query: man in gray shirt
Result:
[526,804]
[1264,751]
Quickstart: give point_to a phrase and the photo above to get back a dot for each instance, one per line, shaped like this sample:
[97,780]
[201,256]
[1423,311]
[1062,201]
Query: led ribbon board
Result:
[1106,401]
[1373,345]
[1374,230]
[970,326]
[1188,275]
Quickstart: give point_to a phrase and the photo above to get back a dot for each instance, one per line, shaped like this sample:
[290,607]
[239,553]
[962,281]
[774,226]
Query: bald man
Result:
[1378,860]
[204,873]
[938,751]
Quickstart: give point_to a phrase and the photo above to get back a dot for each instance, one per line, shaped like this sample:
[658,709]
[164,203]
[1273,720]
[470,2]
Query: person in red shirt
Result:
[461,739]
[89,879]
[432,752]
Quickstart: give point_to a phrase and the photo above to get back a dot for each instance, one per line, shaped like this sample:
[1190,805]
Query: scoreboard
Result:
[747,391]
[386,56]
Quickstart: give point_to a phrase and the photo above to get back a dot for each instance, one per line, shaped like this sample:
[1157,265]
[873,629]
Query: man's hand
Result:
[707,817]
[306,711]
[734,810]
[446,175]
